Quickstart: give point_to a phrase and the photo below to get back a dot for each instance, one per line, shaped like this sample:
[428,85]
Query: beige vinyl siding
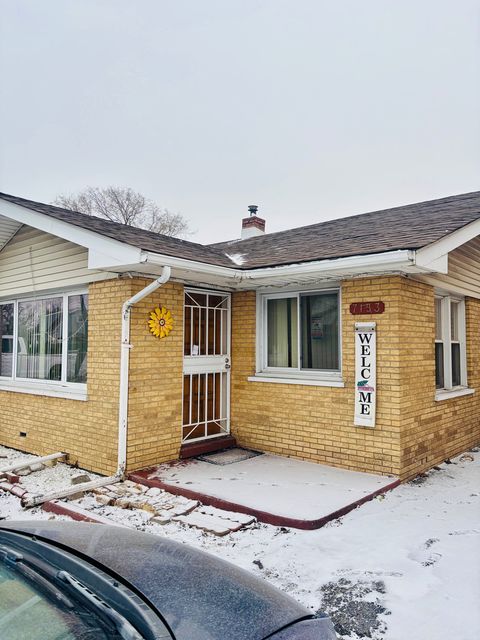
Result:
[8,228]
[37,261]
[463,271]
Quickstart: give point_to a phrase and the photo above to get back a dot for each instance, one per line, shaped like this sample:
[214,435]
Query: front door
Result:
[206,365]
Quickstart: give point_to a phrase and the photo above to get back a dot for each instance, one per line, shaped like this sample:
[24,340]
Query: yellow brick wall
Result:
[156,379]
[413,432]
[433,431]
[316,423]
[87,430]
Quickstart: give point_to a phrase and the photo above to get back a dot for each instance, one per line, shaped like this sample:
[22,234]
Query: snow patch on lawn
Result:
[403,566]
[10,509]
[52,479]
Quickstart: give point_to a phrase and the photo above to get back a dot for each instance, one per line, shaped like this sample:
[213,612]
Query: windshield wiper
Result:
[20,563]
[124,628]
[17,562]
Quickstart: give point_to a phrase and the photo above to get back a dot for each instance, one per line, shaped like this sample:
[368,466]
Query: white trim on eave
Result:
[158,260]
[379,263]
[103,252]
[389,260]
[107,254]
[430,257]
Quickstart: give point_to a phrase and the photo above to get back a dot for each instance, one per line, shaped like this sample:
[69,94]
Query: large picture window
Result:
[45,339]
[450,348]
[301,332]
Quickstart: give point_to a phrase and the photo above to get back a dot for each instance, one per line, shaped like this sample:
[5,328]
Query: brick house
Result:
[353,342]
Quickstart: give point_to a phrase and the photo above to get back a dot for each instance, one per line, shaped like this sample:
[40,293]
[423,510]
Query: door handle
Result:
[227,366]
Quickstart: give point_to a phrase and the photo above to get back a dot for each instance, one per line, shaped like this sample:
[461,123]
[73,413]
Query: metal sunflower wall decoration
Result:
[161,322]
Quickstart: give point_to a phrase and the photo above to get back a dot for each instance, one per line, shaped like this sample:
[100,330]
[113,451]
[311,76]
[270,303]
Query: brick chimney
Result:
[253,225]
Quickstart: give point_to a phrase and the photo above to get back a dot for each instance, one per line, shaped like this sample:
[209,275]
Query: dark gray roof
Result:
[408,227]
[146,240]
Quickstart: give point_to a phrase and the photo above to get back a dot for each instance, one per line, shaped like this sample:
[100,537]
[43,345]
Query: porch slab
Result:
[194,449]
[276,490]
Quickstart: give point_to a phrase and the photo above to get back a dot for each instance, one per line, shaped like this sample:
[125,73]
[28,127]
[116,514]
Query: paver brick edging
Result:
[262,516]
[15,489]
[59,508]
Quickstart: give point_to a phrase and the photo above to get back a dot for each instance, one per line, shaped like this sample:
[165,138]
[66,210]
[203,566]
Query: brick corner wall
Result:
[156,381]
[433,431]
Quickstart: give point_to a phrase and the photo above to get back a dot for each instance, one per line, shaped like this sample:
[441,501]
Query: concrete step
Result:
[193,449]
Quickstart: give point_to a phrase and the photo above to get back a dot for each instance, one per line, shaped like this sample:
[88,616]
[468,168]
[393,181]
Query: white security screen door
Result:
[206,365]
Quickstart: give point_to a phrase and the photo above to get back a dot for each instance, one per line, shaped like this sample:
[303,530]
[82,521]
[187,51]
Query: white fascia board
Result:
[390,261]
[189,265]
[432,252]
[110,258]
[103,252]
[437,265]
[387,261]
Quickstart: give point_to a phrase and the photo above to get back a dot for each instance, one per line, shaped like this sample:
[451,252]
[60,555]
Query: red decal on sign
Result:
[367,308]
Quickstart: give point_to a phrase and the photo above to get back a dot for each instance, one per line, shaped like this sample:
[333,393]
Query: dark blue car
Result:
[65,581]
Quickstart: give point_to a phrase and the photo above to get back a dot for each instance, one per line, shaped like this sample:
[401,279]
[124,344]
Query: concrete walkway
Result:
[277,490]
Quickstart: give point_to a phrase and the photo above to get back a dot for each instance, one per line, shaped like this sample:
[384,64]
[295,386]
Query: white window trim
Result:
[61,388]
[293,375]
[314,382]
[450,391]
[72,391]
[457,392]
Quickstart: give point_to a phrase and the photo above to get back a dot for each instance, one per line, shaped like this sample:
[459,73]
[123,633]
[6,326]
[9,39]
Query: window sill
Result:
[54,391]
[313,382]
[443,394]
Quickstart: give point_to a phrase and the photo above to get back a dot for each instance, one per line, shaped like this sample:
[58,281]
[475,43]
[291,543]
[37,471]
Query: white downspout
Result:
[33,501]
[124,366]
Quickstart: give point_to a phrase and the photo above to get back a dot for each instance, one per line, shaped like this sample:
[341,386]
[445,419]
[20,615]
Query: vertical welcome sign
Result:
[365,373]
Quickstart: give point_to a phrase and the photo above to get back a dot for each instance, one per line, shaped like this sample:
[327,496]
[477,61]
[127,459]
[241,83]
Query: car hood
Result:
[198,595]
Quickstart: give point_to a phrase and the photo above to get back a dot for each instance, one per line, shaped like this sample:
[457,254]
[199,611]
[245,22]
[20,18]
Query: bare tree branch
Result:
[122,204]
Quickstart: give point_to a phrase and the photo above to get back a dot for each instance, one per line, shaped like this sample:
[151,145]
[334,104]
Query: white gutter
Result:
[124,366]
[393,260]
[397,260]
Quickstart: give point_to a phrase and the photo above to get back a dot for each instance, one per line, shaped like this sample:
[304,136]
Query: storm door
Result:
[206,365]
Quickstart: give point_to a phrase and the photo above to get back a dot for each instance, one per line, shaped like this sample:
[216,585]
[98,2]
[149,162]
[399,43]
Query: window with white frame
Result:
[450,343]
[301,332]
[45,339]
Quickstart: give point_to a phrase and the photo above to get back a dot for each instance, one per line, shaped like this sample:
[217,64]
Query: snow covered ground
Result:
[405,566]
[274,484]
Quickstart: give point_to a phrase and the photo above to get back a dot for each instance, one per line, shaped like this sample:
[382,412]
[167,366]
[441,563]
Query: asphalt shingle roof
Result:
[146,240]
[408,227]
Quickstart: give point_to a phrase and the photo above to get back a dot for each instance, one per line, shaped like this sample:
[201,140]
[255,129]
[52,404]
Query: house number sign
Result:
[359,308]
[365,373]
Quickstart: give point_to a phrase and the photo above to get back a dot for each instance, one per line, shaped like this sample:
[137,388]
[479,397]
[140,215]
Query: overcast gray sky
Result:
[312,109]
